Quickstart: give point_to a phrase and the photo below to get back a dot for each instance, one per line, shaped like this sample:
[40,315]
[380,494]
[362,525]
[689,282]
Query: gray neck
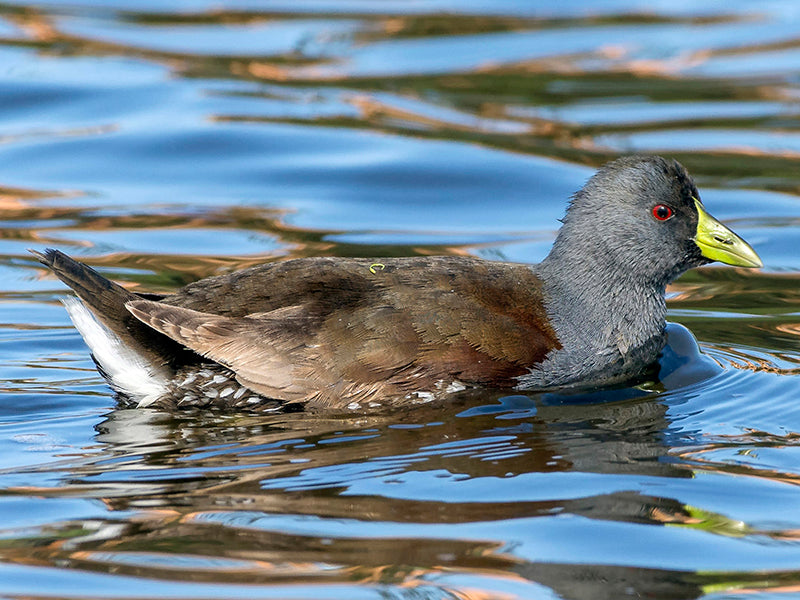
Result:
[603,318]
[592,299]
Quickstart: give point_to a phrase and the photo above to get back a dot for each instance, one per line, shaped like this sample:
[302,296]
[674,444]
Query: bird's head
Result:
[641,216]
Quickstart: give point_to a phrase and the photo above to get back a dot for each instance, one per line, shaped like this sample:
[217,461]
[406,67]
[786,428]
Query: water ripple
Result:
[164,144]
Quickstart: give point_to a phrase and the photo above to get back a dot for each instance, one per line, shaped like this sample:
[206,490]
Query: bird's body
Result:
[336,333]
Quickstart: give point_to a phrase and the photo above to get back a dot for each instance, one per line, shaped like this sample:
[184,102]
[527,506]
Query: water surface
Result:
[162,142]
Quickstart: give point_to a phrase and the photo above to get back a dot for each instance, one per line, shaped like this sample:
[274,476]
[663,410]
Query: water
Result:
[166,141]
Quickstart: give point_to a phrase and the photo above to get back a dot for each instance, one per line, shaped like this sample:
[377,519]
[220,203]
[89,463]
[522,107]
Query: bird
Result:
[338,333]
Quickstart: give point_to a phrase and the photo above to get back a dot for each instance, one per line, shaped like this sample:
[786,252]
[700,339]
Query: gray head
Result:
[640,219]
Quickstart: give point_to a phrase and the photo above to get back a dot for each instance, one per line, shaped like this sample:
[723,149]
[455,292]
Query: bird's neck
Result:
[595,302]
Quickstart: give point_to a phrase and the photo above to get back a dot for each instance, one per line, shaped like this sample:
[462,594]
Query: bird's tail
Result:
[136,360]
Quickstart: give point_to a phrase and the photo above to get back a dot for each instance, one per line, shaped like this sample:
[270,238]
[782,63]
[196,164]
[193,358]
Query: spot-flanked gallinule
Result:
[341,332]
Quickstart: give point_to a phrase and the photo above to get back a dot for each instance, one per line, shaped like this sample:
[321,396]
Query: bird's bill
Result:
[717,242]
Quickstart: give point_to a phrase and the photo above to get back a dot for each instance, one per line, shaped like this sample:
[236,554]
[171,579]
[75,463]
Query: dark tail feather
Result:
[107,300]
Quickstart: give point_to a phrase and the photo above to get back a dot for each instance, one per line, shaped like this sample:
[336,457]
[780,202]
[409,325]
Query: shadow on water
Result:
[294,502]
[489,490]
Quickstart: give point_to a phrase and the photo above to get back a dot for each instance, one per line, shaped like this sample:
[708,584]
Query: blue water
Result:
[162,142]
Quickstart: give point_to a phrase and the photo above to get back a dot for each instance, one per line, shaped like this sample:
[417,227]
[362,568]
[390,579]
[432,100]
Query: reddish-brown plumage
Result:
[377,329]
[334,331]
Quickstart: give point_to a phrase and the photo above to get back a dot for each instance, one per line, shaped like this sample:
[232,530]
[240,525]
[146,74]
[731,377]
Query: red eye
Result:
[662,212]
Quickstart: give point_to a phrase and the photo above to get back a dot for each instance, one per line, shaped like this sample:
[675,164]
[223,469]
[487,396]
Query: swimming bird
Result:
[356,333]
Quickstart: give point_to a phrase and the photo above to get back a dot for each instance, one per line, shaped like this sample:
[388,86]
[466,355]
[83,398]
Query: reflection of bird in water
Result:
[318,499]
[336,332]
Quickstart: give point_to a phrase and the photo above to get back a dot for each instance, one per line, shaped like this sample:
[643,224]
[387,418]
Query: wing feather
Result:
[335,331]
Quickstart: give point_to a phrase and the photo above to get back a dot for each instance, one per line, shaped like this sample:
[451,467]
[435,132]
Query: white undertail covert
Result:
[127,371]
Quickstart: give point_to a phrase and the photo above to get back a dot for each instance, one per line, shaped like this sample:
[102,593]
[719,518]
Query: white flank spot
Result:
[422,397]
[126,370]
[455,386]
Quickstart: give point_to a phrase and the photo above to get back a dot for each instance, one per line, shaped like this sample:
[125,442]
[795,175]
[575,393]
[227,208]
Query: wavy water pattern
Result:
[164,142]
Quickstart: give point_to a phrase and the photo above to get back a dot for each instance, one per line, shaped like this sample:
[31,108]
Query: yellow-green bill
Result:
[717,242]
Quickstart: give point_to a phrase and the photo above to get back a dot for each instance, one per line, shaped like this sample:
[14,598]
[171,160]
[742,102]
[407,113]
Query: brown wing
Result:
[264,350]
[331,331]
